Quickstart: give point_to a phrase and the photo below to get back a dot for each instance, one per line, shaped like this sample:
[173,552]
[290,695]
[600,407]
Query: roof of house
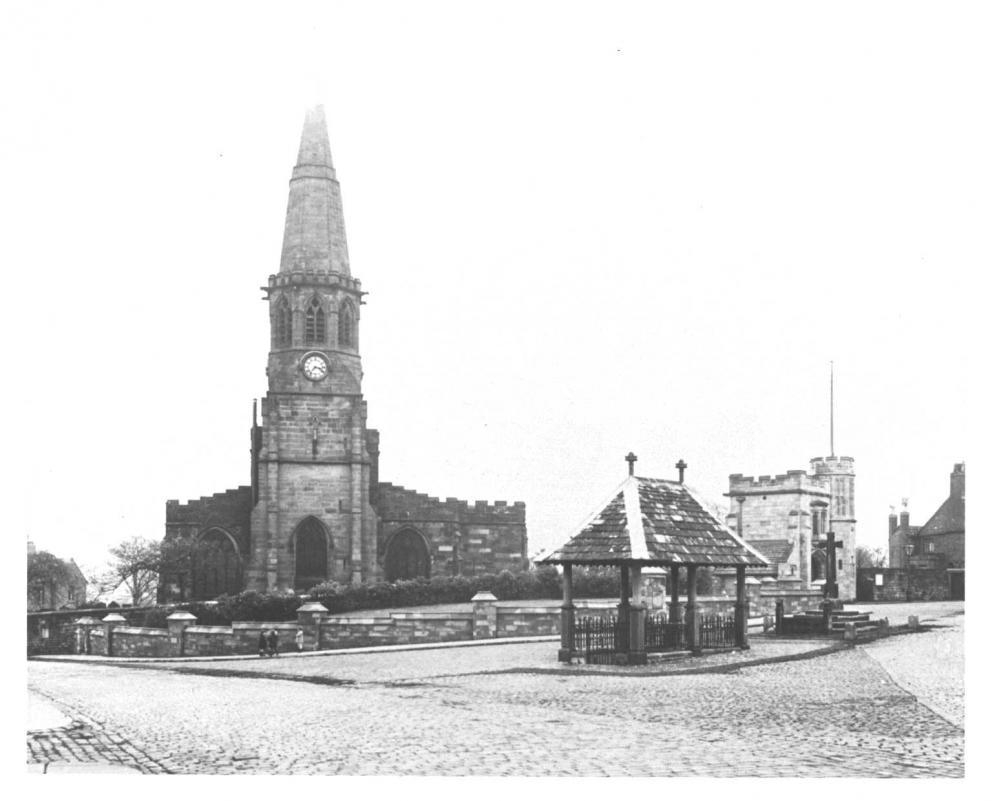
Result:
[947,519]
[655,522]
[775,551]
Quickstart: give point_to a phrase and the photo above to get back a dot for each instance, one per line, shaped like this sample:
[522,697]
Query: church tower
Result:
[312,464]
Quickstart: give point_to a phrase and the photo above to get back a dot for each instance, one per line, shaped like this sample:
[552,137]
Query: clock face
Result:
[315,367]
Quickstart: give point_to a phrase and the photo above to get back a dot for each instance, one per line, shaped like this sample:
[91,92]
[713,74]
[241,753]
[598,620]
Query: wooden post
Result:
[623,645]
[741,609]
[568,615]
[693,619]
[636,620]
[674,586]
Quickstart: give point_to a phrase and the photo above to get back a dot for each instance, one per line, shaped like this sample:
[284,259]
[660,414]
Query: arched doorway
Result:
[406,557]
[217,567]
[311,554]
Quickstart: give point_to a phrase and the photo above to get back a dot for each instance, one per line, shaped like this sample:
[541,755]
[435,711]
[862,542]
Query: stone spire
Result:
[314,235]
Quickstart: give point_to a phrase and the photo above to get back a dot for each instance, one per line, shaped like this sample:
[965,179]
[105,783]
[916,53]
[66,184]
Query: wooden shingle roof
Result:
[655,522]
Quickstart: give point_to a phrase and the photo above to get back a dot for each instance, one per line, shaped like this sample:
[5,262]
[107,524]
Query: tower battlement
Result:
[791,481]
[832,464]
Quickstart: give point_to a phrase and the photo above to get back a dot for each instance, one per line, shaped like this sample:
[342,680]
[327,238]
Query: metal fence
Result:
[598,638]
[661,635]
[717,631]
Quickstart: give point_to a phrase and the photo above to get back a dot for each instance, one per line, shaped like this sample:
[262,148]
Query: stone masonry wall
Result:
[463,538]
[397,628]
[229,511]
[899,584]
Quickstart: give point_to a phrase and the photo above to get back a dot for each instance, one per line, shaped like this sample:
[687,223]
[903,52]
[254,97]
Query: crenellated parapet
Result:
[792,481]
[832,465]
[232,500]
[395,502]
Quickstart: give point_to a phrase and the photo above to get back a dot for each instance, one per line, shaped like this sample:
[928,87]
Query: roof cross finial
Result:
[631,459]
[681,466]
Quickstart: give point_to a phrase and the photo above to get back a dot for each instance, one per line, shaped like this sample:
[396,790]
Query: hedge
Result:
[506,586]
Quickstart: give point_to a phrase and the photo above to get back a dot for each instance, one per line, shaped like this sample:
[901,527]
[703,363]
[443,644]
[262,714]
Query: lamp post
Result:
[908,571]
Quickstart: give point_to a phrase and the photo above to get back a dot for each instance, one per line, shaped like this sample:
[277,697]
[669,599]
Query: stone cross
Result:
[832,588]
[681,466]
[631,459]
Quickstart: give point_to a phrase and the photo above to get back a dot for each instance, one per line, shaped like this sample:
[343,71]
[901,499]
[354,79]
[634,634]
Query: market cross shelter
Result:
[315,510]
[651,522]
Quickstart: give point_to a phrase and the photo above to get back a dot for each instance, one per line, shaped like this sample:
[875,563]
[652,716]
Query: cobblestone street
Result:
[889,708]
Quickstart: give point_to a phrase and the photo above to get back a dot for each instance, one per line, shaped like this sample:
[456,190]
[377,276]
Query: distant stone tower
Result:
[837,474]
[312,519]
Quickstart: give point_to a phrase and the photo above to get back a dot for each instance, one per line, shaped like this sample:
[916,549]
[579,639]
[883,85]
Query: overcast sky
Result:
[585,229]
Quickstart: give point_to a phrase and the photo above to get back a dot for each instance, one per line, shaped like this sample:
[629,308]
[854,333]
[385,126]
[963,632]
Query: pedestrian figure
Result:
[81,641]
[262,643]
[272,643]
[299,640]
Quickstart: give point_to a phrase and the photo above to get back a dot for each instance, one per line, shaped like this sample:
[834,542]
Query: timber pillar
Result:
[568,616]
[741,608]
[674,589]
[693,619]
[636,621]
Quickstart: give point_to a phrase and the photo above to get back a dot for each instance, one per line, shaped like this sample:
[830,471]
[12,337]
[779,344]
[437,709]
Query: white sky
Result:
[585,229]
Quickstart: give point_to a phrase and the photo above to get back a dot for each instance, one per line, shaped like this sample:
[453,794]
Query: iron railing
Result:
[717,631]
[598,639]
[662,635]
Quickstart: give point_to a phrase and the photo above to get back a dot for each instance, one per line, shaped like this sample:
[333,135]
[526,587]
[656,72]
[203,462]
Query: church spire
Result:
[314,235]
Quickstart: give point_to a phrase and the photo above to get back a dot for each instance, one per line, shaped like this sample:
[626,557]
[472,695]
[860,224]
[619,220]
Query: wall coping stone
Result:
[141,630]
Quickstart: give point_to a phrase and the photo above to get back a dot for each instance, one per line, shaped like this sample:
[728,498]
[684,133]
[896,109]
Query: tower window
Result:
[282,324]
[347,327]
[315,323]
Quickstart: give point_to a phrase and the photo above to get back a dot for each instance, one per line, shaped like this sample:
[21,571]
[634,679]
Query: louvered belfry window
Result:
[282,324]
[315,323]
[346,327]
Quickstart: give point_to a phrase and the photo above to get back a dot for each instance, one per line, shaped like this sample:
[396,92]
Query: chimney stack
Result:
[904,517]
[631,459]
[957,481]
[681,466]
[892,521]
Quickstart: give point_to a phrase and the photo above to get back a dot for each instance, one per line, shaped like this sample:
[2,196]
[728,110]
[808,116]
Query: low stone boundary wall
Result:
[898,584]
[488,619]
[396,628]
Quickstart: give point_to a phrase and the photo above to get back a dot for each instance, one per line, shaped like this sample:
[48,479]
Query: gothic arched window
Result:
[282,324]
[315,322]
[347,326]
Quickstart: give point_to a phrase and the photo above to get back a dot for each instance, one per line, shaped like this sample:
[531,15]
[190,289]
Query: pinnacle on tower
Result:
[314,235]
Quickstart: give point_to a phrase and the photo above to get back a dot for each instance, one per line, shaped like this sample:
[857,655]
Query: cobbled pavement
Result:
[889,708]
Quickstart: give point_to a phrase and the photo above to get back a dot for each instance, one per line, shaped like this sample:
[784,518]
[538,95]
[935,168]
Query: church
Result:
[315,509]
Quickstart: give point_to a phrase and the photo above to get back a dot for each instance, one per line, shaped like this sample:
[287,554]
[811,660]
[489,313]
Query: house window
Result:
[840,567]
[879,580]
[315,323]
[931,546]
